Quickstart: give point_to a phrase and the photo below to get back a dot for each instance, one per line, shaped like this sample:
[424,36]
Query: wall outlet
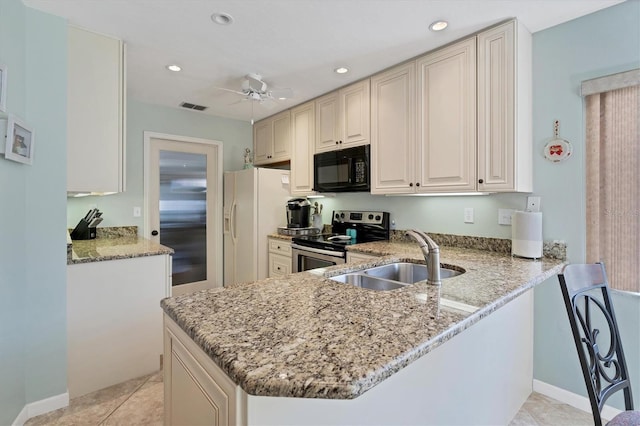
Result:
[504,216]
[137,212]
[533,204]
[468,215]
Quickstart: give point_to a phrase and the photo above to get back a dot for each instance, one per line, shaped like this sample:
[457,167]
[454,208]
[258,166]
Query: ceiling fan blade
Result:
[268,103]
[281,93]
[232,91]
[238,102]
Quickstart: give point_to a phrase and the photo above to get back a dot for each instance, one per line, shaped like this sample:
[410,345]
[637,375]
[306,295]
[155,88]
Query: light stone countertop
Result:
[113,248]
[280,237]
[305,335]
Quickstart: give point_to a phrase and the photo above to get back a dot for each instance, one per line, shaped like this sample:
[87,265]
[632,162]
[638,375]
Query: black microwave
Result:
[345,170]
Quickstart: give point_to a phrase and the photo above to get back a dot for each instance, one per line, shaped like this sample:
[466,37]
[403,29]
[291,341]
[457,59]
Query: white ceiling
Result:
[291,43]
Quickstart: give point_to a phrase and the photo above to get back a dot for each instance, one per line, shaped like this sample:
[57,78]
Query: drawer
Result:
[280,247]
[279,265]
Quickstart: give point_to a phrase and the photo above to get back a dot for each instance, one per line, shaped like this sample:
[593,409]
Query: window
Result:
[613,176]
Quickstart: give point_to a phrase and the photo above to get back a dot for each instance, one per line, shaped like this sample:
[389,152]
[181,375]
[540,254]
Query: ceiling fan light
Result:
[222,18]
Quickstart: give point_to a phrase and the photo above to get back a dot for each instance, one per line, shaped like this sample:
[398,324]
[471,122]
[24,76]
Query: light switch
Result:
[504,216]
[468,215]
[137,212]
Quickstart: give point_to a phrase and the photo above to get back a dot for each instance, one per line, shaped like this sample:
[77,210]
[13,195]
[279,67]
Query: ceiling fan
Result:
[257,90]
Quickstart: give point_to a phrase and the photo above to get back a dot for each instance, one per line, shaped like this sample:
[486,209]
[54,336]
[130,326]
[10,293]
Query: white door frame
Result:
[217,219]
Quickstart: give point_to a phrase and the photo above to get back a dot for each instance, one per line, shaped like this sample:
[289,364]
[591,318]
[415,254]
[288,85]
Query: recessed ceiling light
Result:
[438,25]
[341,70]
[174,68]
[222,18]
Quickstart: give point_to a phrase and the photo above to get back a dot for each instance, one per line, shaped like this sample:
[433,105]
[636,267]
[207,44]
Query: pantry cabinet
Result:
[272,139]
[95,113]
[303,144]
[504,109]
[342,118]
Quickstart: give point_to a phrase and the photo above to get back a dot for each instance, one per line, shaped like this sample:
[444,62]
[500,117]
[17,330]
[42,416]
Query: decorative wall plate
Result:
[557,149]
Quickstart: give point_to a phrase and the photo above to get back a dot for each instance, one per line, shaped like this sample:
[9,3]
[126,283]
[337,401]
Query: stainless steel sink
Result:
[409,272]
[394,275]
[365,281]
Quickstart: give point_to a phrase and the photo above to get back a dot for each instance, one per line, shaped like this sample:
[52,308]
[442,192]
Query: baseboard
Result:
[578,401]
[43,406]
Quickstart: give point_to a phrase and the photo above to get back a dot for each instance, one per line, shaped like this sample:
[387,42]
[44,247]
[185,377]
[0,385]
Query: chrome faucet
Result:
[431,253]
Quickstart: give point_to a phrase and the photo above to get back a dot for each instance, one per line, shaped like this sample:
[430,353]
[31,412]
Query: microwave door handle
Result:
[350,168]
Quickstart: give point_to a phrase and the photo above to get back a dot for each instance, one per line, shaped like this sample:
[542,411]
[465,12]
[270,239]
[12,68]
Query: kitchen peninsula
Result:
[333,353]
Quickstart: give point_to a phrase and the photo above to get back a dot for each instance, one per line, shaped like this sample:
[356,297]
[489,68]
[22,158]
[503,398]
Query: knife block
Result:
[83,232]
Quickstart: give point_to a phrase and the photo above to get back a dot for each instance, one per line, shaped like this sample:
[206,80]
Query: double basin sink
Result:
[394,275]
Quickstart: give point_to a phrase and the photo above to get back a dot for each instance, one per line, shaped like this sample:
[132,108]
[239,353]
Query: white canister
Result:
[526,234]
[316,221]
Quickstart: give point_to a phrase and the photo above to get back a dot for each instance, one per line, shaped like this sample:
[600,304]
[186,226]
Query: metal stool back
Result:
[595,332]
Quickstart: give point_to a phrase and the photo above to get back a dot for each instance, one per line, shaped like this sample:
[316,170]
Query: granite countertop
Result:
[280,237]
[305,335]
[113,244]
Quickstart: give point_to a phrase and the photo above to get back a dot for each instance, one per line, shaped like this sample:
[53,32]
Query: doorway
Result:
[183,207]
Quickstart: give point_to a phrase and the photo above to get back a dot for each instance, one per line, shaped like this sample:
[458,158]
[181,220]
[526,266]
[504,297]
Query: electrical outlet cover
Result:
[468,215]
[533,204]
[504,216]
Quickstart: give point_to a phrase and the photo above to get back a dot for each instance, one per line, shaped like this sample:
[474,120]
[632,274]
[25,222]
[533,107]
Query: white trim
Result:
[578,401]
[148,135]
[42,406]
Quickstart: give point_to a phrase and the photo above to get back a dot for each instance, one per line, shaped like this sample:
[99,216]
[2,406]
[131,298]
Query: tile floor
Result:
[140,402]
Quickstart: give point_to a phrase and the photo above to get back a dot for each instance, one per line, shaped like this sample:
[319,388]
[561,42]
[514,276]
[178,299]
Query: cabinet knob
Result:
[410,183]
[480,180]
[417,183]
[278,268]
[278,247]
[154,232]
[340,141]
[337,142]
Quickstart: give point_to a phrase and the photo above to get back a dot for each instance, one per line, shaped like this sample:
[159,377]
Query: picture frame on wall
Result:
[3,88]
[20,141]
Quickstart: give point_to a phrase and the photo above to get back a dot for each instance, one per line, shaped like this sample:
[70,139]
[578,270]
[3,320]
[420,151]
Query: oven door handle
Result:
[305,249]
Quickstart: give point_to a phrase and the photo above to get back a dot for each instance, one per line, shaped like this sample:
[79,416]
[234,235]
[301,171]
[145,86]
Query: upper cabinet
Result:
[504,109]
[95,113]
[468,126]
[393,130]
[423,133]
[272,139]
[343,118]
[303,134]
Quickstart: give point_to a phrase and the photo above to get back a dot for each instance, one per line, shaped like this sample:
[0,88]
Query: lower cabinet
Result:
[359,257]
[196,391]
[279,257]
[114,320]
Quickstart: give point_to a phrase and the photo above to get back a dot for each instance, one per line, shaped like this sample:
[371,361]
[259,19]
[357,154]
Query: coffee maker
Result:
[298,213]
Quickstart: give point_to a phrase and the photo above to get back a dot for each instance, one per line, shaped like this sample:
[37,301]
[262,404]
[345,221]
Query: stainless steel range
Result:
[349,227]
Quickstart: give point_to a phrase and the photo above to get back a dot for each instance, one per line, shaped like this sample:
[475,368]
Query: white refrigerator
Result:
[254,207]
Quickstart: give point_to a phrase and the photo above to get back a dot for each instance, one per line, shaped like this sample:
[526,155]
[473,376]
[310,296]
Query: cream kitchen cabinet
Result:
[196,390]
[272,139]
[393,130]
[343,117]
[504,109]
[424,128]
[303,144]
[279,257]
[95,113]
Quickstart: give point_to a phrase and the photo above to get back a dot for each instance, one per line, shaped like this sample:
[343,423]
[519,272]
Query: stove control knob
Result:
[378,217]
[342,215]
[370,216]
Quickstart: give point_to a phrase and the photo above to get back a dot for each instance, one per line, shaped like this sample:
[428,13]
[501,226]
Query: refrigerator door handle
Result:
[232,219]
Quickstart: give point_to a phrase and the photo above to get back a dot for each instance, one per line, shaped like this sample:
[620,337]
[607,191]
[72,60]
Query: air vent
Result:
[193,106]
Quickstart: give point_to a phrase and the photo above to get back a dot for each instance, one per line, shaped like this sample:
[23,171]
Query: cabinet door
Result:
[447,119]
[302,148]
[354,114]
[262,142]
[279,265]
[393,130]
[281,137]
[327,119]
[95,113]
[504,109]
